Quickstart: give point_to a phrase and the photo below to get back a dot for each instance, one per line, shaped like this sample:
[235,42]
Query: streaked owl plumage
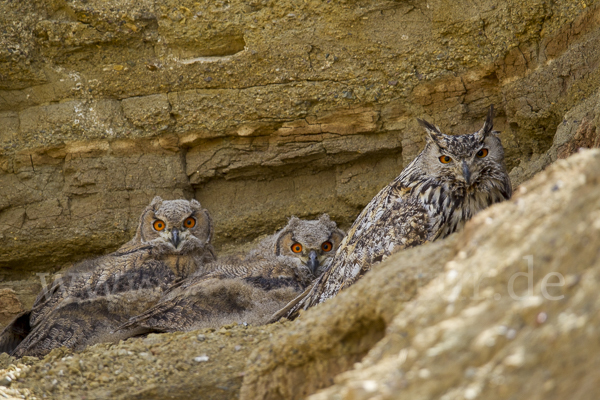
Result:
[428,201]
[87,303]
[250,289]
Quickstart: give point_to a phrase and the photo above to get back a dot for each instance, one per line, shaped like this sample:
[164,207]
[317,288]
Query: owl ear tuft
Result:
[293,221]
[195,204]
[157,200]
[432,131]
[325,220]
[488,125]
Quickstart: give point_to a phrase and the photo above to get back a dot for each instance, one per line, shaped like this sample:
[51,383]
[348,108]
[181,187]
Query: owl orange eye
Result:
[158,225]
[189,222]
[296,247]
[326,246]
[482,153]
[445,159]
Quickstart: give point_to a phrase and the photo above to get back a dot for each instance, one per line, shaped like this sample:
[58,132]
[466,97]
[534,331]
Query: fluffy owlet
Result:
[311,244]
[249,290]
[93,298]
[453,178]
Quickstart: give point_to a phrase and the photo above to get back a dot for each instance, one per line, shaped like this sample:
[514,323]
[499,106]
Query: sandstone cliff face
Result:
[204,364]
[259,109]
[265,109]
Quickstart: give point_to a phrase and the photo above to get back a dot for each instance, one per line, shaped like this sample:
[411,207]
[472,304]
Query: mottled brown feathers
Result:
[215,299]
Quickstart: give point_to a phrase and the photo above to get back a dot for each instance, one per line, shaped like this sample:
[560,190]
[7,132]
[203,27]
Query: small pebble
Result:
[370,386]
[471,393]
[201,338]
[203,358]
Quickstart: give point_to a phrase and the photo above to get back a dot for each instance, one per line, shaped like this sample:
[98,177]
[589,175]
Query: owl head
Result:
[470,162]
[175,226]
[313,243]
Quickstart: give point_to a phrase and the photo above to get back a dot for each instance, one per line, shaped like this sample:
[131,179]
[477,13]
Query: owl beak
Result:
[175,237]
[313,261]
[466,173]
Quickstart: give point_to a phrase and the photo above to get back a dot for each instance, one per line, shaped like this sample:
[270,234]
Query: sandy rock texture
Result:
[207,364]
[580,128]
[10,305]
[259,109]
[507,308]
[264,109]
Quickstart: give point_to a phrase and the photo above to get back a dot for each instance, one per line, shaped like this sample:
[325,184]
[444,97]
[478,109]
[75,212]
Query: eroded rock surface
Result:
[580,128]
[207,364]
[10,305]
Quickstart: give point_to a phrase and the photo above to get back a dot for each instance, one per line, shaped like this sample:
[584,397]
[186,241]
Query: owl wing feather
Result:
[228,291]
[183,307]
[47,300]
[73,325]
[94,306]
[91,278]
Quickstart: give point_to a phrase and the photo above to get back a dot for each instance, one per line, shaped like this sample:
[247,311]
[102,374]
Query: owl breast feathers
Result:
[88,303]
[453,178]
[250,289]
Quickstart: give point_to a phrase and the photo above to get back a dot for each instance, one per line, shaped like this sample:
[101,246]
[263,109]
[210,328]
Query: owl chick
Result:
[87,303]
[309,243]
[248,290]
[453,178]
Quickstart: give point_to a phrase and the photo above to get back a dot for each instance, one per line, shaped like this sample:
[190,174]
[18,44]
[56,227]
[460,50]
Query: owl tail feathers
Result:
[292,309]
[14,333]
